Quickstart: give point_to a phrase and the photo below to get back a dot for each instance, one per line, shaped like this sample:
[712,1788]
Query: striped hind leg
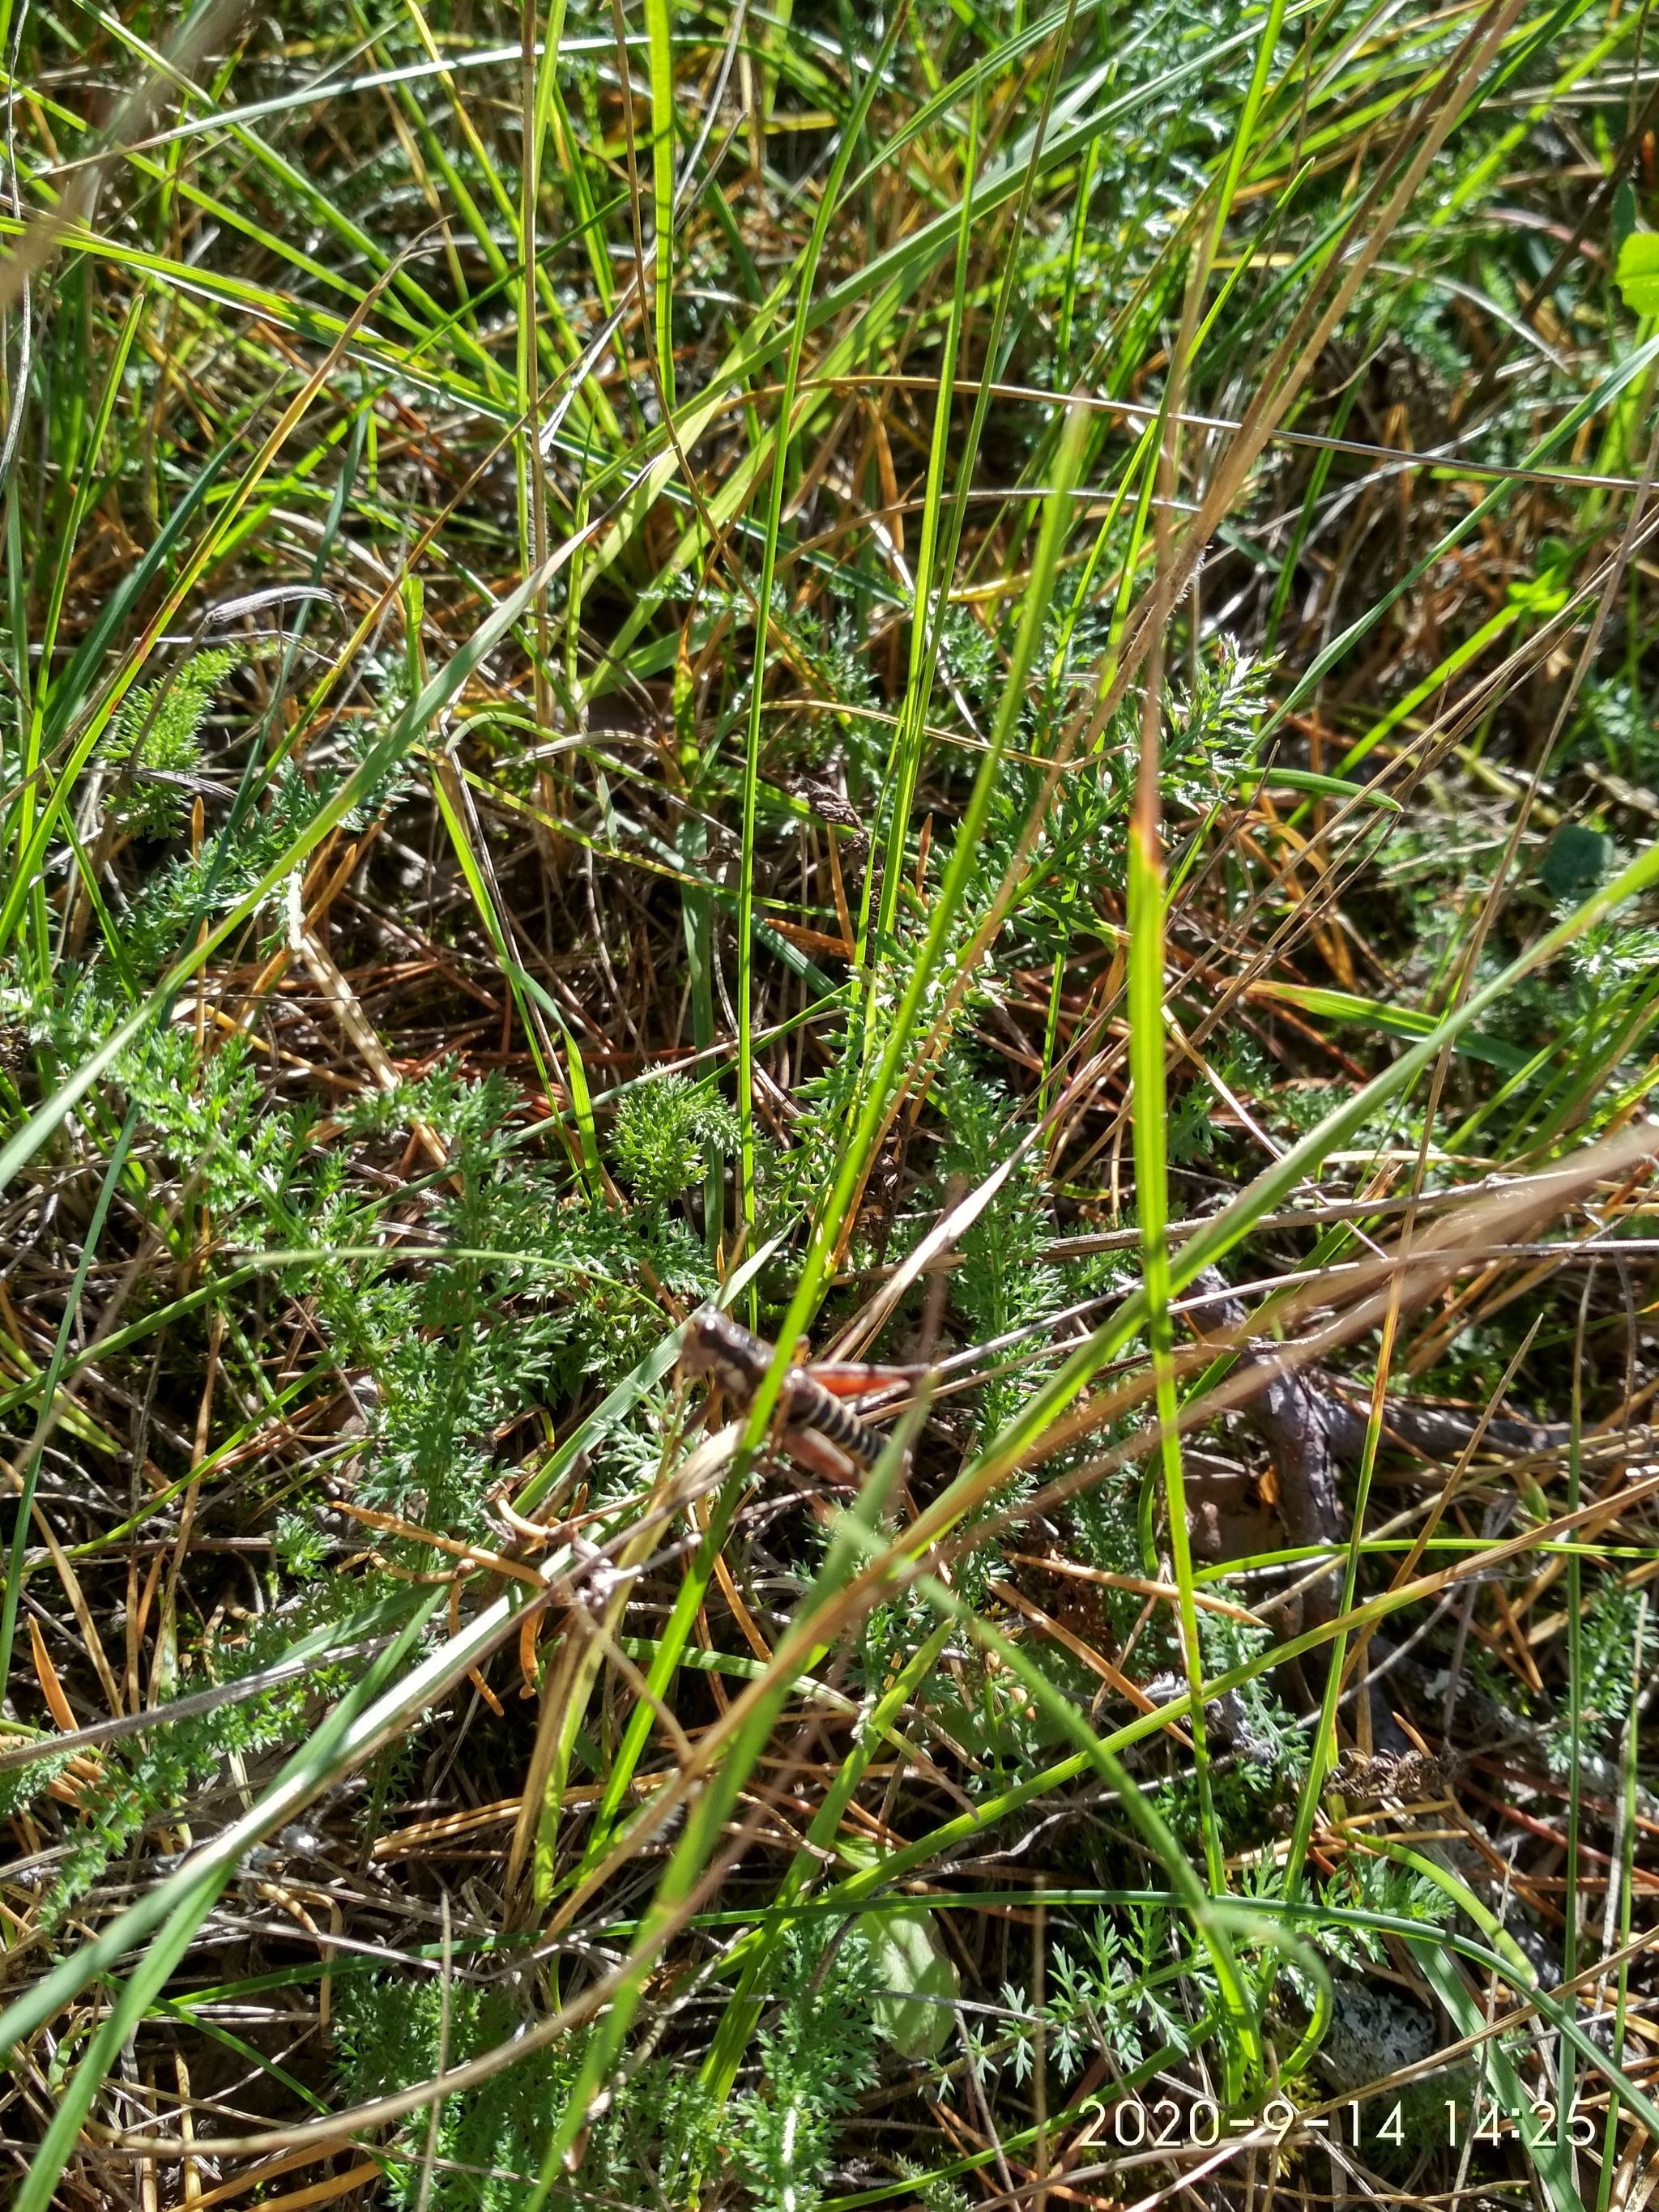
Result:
[815,1454]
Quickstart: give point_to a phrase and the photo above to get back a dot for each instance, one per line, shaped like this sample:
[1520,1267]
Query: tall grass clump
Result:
[974,683]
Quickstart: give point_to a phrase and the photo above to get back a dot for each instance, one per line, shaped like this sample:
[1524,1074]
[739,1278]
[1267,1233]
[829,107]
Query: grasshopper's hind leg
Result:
[816,1454]
[855,1378]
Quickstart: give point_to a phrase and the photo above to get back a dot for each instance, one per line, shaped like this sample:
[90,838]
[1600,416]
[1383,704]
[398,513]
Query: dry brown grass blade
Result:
[46,234]
[1366,1290]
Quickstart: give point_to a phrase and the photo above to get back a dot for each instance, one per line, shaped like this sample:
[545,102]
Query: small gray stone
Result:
[1373,2032]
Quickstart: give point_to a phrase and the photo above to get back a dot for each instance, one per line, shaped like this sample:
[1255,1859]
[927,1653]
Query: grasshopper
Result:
[812,1425]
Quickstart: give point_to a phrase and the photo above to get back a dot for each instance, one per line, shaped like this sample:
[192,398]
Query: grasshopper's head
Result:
[705,1334]
[717,1346]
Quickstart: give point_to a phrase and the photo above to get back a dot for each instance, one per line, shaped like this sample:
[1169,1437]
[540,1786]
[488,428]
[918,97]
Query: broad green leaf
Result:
[917,1981]
[1639,272]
